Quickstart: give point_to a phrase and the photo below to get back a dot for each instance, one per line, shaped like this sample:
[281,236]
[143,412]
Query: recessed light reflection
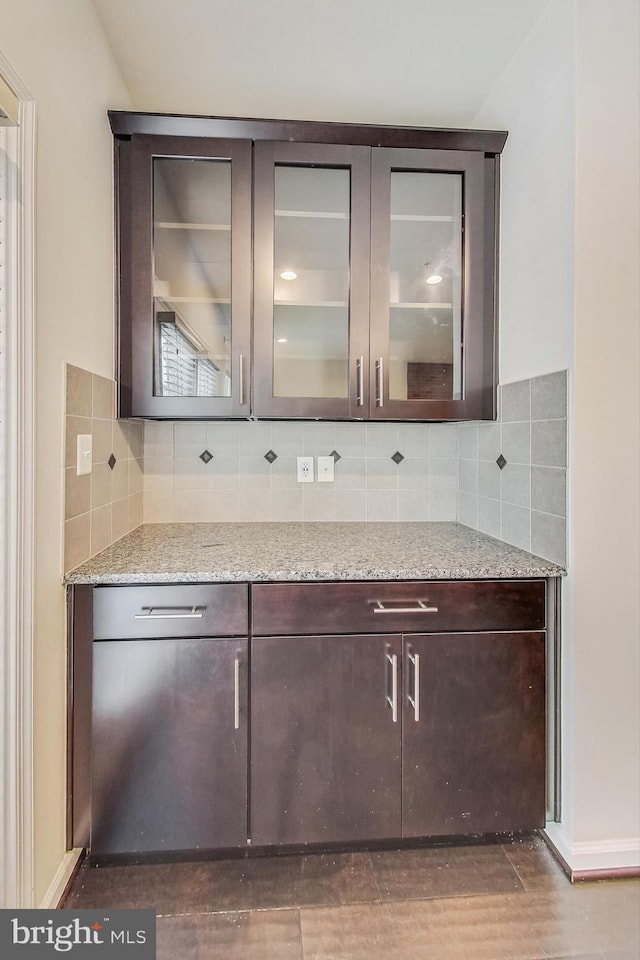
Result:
[282,340]
[289,275]
[434,278]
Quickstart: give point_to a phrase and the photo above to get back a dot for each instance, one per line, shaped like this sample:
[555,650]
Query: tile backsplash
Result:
[240,483]
[246,470]
[525,502]
[102,506]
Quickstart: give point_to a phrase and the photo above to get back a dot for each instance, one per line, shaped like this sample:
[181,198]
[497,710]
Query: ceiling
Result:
[417,62]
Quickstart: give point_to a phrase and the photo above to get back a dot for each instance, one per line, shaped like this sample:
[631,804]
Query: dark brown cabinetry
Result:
[169,719]
[451,739]
[325,751]
[184,263]
[369,253]
[473,733]
[273,714]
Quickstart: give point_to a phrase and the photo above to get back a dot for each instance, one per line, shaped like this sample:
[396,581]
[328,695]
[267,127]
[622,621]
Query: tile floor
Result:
[469,902]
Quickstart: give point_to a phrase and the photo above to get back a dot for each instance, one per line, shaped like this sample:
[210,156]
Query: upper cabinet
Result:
[305,270]
[185,277]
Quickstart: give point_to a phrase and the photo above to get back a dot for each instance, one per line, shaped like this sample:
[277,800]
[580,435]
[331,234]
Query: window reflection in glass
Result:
[192,277]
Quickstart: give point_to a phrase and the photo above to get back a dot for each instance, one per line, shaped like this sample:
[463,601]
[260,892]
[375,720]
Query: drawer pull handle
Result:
[414,658]
[420,608]
[194,613]
[236,693]
[393,699]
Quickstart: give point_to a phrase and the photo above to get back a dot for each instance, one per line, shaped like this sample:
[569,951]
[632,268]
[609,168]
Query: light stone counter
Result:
[224,552]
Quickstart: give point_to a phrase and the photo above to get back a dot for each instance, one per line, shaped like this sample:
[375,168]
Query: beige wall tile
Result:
[135,510]
[253,505]
[351,505]
[78,392]
[100,485]
[103,403]
[135,476]
[100,529]
[223,505]
[102,431]
[158,506]
[77,541]
[136,440]
[120,480]
[77,493]
[121,445]
[120,518]
[190,506]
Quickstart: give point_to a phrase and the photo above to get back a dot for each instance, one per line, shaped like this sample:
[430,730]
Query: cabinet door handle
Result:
[360,381]
[236,694]
[392,700]
[414,658]
[194,613]
[241,378]
[380,382]
[420,608]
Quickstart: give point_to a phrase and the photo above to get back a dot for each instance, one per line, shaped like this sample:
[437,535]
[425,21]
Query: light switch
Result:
[84,454]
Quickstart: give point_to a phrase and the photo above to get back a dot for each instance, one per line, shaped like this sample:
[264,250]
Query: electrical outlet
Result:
[305,469]
[326,469]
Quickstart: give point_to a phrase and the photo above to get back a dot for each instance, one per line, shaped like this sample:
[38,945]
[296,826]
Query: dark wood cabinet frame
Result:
[135,243]
[139,137]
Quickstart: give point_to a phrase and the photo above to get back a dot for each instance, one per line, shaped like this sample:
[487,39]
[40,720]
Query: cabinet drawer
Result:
[398,607]
[188,610]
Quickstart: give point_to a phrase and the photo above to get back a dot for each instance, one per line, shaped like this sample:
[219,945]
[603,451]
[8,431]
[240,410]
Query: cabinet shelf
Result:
[421,306]
[170,225]
[198,300]
[310,303]
[420,218]
[312,214]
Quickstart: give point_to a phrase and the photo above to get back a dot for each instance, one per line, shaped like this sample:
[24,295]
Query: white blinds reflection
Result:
[183,372]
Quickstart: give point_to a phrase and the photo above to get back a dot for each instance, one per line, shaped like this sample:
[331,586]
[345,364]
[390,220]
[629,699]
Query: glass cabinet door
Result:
[311,280]
[190,277]
[427,284]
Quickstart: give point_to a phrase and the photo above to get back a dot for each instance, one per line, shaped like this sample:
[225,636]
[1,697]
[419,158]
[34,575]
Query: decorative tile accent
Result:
[270,455]
[397,457]
[501,462]
[112,461]
[336,456]
[205,456]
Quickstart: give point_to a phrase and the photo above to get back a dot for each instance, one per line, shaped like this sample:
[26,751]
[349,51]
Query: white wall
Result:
[59,52]
[569,299]
[535,101]
[606,430]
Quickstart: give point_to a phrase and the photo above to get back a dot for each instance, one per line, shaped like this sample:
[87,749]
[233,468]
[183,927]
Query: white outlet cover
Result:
[84,454]
[326,467]
[305,470]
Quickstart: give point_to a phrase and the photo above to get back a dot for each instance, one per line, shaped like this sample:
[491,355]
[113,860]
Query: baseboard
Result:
[596,860]
[62,879]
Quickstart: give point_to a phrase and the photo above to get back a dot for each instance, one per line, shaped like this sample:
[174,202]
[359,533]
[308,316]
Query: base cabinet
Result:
[473,733]
[284,714]
[169,745]
[325,749]
[371,737]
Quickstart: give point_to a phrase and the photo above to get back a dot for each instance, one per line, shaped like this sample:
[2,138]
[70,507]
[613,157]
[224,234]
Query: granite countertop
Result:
[223,552]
